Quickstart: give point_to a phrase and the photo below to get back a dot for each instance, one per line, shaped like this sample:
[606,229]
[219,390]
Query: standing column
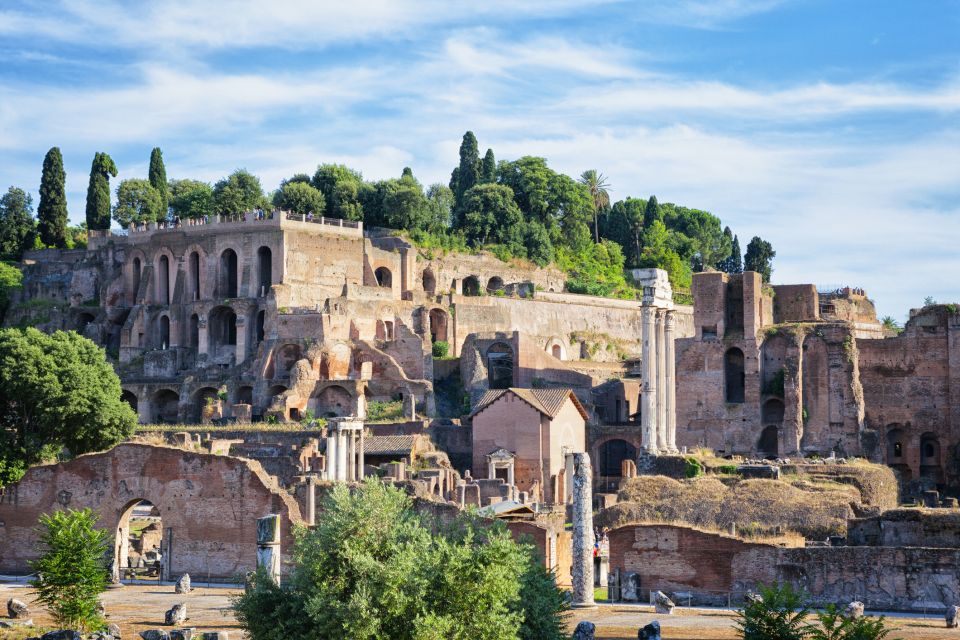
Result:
[311,506]
[661,382]
[360,458]
[268,546]
[648,399]
[582,569]
[670,382]
[331,470]
[341,455]
[351,457]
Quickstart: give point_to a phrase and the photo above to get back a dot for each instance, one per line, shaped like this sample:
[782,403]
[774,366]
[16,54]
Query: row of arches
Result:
[227,275]
[223,323]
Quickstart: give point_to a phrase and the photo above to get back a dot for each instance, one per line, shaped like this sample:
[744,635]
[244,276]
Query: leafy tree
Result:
[191,199]
[759,257]
[298,177]
[440,205]
[598,186]
[397,204]
[10,280]
[71,570]
[77,236]
[658,253]
[17,228]
[158,178]
[537,243]
[342,188]
[238,193]
[137,203]
[624,225]
[929,301]
[98,191]
[52,210]
[697,235]
[596,270]
[651,212]
[779,614]
[56,391]
[467,173]
[300,197]
[490,214]
[488,169]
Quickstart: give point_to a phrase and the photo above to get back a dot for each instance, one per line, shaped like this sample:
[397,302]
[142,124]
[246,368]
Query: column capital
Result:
[649,313]
[670,320]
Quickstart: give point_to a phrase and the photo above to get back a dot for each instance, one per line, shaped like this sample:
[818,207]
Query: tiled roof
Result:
[388,445]
[546,401]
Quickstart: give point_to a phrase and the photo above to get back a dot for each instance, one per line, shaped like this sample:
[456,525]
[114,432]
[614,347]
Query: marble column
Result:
[268,546]
[670,382]
[360,459]
[351,457]
[648,397]
[661,383]
[331,470]
[583,538]
[310,512]
[341,455]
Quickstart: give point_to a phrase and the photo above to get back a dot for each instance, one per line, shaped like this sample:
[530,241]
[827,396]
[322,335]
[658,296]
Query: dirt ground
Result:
[137,608]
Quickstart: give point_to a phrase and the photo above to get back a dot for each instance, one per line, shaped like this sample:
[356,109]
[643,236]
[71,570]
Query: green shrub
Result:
[692,467]
[383,411]
[441,349]
[779,614]
[726,468]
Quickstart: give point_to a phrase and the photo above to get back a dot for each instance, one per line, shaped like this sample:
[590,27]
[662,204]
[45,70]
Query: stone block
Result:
[854,610]
[183,584]
[176,615]
[17,609]
[953,617]
[114,630]
[630,586]
[584,631]
[749,471]
[62,634]
[16,624]
[649,632]
[155,634]
[662,604]
[188,633]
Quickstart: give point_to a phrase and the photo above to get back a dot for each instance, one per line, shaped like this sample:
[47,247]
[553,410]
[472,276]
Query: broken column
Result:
[311,507]
[648,397]
[582,570]
[268,546]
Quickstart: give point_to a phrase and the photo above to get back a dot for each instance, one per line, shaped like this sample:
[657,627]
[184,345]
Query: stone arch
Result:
[611,454]
[165,407]
[276,390]
[244,395]
[144,554]
[164,281]
[333,401]
[384,277]
[733,375]
[194,271]
[769,443]
[439,323]
[930,467]
[429,281]
[494,284]
[223,327]
[83,319]
[264,270]
[772,412]
[164,337]
[136,272]
[229,279]
[556,348]
[202,397]
[773,359]
[896,444]
[499,357]
[130,398]
[471,286]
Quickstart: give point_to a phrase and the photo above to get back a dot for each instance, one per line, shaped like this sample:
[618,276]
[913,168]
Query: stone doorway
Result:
[140,544]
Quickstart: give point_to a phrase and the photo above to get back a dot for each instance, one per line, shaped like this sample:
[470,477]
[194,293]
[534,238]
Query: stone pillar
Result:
[582,570]
[670,381]
[510,477]
[268,546]
[661,382]
[241,352]
[341,455]
[351,457]
[360,459]
[568,478]
[310,513]
[331,454]
[203,336]
[648,399]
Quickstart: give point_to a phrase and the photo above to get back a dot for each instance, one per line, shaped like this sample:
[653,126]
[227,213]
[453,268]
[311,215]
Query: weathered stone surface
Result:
[188,633]
[649,632]
[183,584]
[663,604]
[584,631]
[953,617]
[62,634]
[583,535]
[15,624]
[629,591]
[17,609]
[114,630]
[176,615]
[854,610]
[155,634]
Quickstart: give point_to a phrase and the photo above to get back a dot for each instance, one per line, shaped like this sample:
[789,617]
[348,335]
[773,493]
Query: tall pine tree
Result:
[52,209]
[488,170]
[98,192]
[651,213]
[468,173]
[736,259]
[158,180]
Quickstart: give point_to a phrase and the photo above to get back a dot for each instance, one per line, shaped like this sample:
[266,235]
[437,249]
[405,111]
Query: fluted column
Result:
[648,399]
[671,381]
[331,470]
[661,382]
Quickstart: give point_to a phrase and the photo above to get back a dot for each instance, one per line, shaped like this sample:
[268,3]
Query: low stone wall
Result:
[209,505]
[717,569]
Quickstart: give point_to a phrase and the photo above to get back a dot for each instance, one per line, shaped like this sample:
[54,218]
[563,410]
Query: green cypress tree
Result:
[52,209]
[759,257]
[736,259]
[488,172]
[468,173]
[98,192]
[158,179]
[651,213]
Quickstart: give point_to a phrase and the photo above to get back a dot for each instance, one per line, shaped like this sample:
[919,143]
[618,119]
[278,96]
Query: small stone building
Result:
[523,436]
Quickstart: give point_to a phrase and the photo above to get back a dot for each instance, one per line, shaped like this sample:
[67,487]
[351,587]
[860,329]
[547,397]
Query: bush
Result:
[374,568]
[692,467]
[71,570]
[382,411]
[441,349]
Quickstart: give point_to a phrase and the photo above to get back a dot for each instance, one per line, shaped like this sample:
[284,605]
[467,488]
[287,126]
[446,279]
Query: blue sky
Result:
[828,127]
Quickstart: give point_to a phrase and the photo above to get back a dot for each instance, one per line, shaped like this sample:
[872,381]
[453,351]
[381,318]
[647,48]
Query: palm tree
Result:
[597,183]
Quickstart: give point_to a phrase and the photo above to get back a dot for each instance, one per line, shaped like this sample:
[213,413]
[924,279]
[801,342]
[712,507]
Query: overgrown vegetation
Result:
[440,349]
[374,568]
[384,411]
[71,570]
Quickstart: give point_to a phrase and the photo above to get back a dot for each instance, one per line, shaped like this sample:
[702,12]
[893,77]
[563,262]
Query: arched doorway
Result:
[733,375]
[265,269]
[500,366]
[83,320]
[135,284]
[163,280]
[245,395]
[769,443]
[494,285]
[429,282]
[228,274]
[164,332]
[207,396]
[438,325]
[139,545]
[193,273]
[130,398]
[774,357]
[332,402]
[930,468]
[557,352]
[612,454]
[471,286]
[223,327]
[165,407]
[384,277]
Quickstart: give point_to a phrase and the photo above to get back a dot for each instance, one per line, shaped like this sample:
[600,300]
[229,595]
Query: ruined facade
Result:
[782,371]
